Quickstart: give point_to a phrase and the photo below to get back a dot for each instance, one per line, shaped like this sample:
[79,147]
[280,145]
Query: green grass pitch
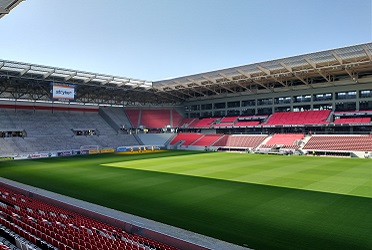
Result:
[259,201]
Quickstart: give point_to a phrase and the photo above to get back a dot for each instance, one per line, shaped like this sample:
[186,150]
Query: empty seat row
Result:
[42,223]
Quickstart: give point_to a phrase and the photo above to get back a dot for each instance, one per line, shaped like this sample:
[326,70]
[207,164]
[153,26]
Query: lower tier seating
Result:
[50,227]
[241,141]
[340,142]
[187,138]
[285,139]
[206,140]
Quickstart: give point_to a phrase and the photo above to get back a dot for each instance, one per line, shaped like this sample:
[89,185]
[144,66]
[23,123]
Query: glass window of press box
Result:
[322,97]
[346,95]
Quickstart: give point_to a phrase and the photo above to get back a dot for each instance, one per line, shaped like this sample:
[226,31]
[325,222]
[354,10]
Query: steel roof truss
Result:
[206,87]
[242,86]
[172,94]
[339,59]
[4,11]
[226,76]
[194,82]
[314,66]
[24,71]
[368,53]
[246,74]
[210,79]
[353,75]
[49,74]
[70,76]
[267,72]
[302,80]
[286,67]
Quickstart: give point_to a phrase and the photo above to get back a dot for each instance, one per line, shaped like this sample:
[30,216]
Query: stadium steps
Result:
[167,143]
[305,140]
[171,118]
[219,139]
[268,138]
[139,117]
[138,139]
[108,118]
[155,139]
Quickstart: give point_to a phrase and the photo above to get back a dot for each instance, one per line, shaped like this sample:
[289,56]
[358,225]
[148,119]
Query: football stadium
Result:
[270,155]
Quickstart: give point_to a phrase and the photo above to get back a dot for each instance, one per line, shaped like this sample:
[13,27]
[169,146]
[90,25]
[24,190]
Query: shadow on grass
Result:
[260,216]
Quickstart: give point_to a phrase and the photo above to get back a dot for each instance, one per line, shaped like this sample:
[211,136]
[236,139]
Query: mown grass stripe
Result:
[260,216]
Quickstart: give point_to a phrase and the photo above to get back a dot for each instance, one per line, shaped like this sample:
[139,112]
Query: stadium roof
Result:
[346,65]
[7,5]
[39,72]
[288,73]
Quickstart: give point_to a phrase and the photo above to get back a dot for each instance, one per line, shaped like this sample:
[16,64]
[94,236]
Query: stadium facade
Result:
[337,80]
[318,103]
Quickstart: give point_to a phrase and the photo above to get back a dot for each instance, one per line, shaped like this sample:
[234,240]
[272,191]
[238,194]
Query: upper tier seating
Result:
[186,121]
[118,116]
[133,115]
[193,123]
[188,138]
[204,123]
[176,118]
[342,143]
[350,120]
[352,113]
[150,118]
[48,227]
[246,123]
[155,118]
[299,118]
[229,119]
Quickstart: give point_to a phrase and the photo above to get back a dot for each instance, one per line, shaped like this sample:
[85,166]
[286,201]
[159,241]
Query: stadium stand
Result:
[186,138]
[45,131]
[204,122]
[155,139]
[154,118]
[299,118]
[340,142]
[246,123]
[117,116]
[193,123]
[206,140]
[184,123]
[38,225]
[176,118]
[229,119]
[349,120]
[134,116]
[285,139]
[241,141]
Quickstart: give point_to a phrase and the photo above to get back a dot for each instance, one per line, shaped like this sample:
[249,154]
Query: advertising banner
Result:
[64,153]
[6,158]
[107,150]
[63,92]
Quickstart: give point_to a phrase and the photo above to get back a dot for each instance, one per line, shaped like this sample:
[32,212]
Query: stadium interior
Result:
[312,104]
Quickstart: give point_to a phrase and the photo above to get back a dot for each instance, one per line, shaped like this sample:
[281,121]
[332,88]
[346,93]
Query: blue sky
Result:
[156,40]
